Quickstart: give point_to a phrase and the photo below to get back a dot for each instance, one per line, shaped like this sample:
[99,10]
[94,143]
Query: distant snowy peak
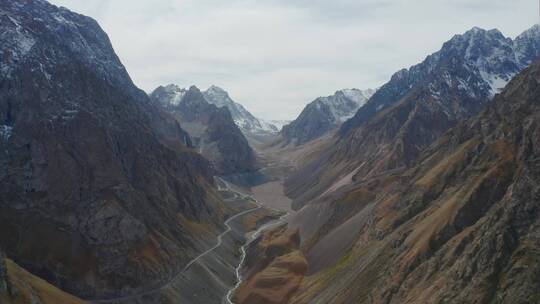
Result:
[527,45]
[343,104]
[172,95]
[274,125]
[218,96]
[247,122]
[325,114]
[358,96]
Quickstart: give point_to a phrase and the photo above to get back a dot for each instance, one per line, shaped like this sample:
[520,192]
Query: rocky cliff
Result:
[100,194]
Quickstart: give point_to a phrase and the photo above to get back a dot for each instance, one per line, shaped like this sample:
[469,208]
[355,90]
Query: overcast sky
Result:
[274,56]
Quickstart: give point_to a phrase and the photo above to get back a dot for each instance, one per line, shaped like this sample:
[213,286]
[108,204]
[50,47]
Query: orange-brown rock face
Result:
[275,269]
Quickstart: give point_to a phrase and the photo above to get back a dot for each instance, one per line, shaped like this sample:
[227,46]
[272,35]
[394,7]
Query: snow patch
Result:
[5,132]
[58,17]
[495,82]
[23,41]
[175,94]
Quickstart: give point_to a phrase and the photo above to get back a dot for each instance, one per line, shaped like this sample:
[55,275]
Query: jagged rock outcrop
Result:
[460,226]
[415,108]
[212,129]
[98,188]
[324,114]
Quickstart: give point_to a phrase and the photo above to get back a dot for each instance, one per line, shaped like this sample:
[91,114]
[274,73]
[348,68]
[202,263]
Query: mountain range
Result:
[248,123]
[426,190]
[429,194]
[417,106]
[458,226]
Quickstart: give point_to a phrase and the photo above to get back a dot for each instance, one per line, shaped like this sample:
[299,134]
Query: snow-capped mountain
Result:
[418,105]
[242,117]
[211,127]
[171,95]
[475,65]
[325,114]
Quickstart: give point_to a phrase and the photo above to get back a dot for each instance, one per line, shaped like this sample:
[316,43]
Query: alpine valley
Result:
[424,190]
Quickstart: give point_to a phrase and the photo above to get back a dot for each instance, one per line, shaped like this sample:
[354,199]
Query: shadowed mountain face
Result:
[416,107]
[324,114]
[460,226]
[213,129]
[98,189]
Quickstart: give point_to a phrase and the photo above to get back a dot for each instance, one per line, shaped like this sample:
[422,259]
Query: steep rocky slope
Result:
[324,114]
[248,123]
[460,226]
[99,193]
[276,268]
[17,286]
[212,129]
[415,107]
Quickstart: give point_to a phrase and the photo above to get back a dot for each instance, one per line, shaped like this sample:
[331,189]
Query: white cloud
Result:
[275,56]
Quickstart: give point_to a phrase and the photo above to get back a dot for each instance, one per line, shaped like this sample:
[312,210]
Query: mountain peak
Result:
[172,88]
[242,117]
[194,88]
[218,96]
[357,95]
[475,31]
[477,35]
[216,89]
[325,114]
[532,32]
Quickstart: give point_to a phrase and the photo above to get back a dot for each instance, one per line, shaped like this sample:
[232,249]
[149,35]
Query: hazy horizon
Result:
[277,56]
